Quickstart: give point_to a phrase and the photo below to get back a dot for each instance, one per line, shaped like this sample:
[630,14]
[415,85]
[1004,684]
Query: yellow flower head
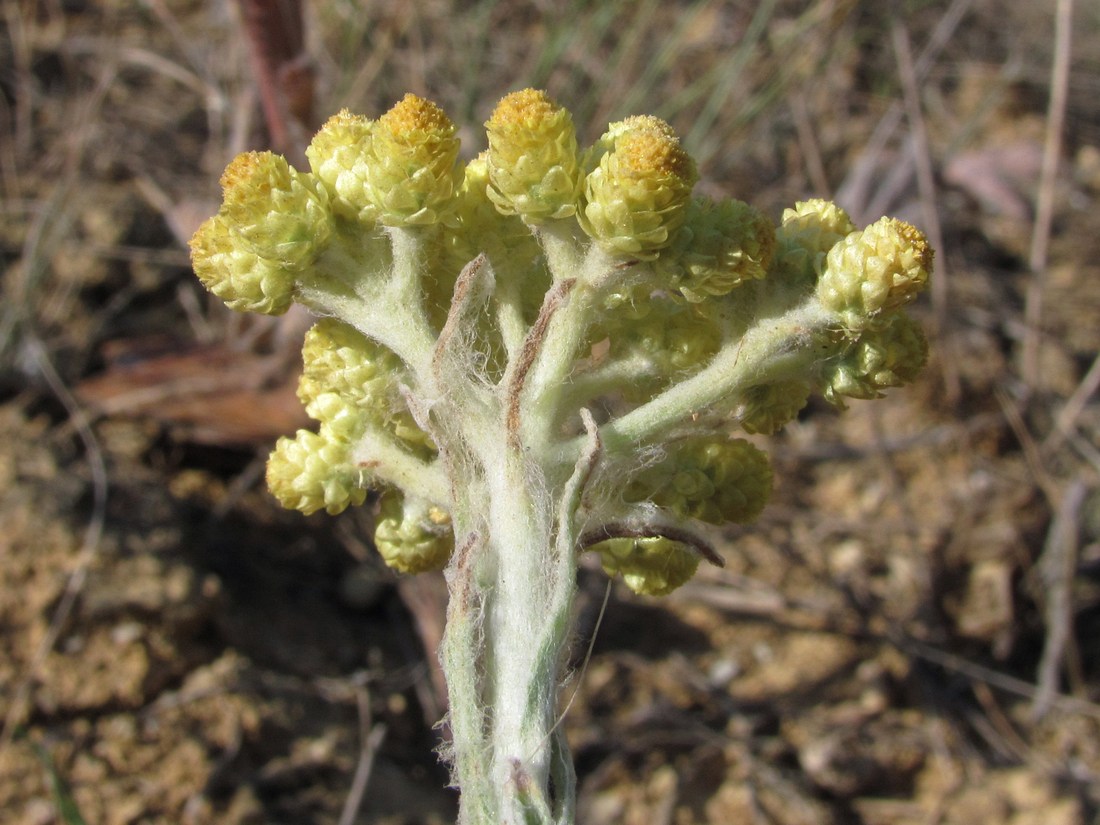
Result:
[885,355]
[412,175]
[637,195]
[533,166]
[229,269]
[710,478]
[342,364]
[877,270]
[278,213]
[807,232]
[765,408]
[339,156]
[313,471]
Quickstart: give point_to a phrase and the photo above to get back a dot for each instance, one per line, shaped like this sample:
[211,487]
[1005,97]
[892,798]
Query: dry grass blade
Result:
[926,185]
[371,736]
[994,678]
[1075,404]
[856,193]
[1044,208]
[1057,568]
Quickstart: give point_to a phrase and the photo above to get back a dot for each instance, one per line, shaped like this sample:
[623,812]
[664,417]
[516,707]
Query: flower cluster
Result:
[550,305]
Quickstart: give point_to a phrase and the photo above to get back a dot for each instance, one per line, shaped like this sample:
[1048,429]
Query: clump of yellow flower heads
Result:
[460,301]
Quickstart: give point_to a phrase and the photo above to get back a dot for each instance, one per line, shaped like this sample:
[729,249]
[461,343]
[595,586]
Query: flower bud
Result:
[636,197]
[533,167]
[338,358]
[313,471]
[720,246]
[883,356]
[231,270]
[815,225]
[281,214]
[480,227]
[412,536]
[341,366]
[712,480]
[808,231]
[653,566]
[877,270]
[412,175]
[671,339]
[339,156]
[765,408]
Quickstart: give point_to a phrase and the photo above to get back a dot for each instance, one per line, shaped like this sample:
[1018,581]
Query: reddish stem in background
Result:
[282,68]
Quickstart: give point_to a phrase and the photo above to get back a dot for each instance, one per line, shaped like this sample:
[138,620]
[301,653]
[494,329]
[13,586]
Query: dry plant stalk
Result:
[541,353]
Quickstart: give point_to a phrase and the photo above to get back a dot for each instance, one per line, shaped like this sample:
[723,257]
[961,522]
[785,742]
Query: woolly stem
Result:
[508,624]
[770,350]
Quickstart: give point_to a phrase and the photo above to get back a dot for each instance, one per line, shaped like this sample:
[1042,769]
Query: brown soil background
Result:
[907,637]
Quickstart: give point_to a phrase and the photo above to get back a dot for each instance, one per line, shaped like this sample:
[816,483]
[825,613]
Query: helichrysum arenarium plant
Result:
[544,352]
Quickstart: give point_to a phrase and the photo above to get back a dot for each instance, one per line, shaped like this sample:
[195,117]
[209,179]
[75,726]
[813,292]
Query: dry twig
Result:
[371,736]
[926,186]
[1057,567]
[1044,207]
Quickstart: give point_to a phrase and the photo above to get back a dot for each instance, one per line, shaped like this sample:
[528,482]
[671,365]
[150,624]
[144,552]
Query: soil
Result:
[906,637]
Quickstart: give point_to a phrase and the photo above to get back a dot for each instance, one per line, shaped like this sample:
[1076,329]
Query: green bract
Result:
[544,351]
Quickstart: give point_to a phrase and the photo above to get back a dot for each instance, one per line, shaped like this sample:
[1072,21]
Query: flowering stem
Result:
[605,330]
[768,352]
